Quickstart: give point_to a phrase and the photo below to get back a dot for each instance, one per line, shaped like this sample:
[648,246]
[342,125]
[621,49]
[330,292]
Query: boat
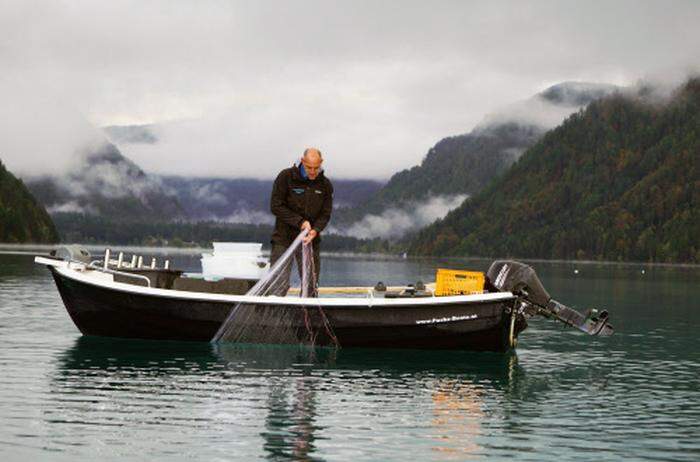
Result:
[113,298]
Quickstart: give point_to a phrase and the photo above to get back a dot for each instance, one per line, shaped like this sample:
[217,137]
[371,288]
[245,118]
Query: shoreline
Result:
[31,249]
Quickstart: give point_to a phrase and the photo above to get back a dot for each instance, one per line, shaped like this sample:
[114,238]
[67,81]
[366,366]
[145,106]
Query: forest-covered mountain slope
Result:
[617,181]
[465,164]
[22,218]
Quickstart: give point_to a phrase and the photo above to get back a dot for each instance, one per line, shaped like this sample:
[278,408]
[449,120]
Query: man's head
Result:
[312,160]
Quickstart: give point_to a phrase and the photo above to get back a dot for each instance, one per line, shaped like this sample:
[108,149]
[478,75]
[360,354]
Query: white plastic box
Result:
[238,260]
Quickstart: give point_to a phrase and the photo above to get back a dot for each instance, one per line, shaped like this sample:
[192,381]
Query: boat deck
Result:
[234,290]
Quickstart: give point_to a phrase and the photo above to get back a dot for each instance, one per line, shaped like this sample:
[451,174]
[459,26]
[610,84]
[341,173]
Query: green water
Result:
[561,396]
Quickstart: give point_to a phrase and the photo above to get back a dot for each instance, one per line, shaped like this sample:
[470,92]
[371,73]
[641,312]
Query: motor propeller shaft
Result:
[592,323]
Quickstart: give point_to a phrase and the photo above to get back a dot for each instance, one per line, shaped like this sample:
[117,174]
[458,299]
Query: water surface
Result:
[561,396]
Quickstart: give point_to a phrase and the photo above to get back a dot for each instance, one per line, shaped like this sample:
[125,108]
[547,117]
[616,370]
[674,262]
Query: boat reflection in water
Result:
[457,418]
[278,402]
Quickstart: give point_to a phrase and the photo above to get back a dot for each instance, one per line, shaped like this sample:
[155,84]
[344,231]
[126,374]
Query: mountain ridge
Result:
[105,182]
[617,181]
[466,163]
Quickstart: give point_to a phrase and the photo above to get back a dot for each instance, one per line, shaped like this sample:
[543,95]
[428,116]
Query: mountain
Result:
[105,183]
[241,200]
[231,200]
[463,165]
[22,217]
[618,181]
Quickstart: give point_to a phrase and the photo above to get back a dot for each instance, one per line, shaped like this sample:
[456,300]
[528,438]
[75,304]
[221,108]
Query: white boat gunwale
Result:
[81,273]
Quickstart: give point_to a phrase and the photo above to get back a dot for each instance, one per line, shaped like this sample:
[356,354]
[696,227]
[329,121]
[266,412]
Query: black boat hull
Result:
[486,325]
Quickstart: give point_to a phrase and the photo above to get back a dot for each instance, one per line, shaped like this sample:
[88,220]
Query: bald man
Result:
[302,198]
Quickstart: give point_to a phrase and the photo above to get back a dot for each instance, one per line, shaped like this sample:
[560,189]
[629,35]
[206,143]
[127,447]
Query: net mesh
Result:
[266,321]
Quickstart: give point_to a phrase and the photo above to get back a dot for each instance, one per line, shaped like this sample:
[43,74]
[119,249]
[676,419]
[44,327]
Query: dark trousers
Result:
[276,253]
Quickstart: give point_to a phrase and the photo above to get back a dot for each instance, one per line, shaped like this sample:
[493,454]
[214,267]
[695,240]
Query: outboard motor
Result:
[520,279]
[72,253]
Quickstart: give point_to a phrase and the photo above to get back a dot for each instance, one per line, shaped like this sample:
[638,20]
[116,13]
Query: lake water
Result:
[561,396]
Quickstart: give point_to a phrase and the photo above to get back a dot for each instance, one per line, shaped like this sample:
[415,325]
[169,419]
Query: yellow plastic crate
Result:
[456,282]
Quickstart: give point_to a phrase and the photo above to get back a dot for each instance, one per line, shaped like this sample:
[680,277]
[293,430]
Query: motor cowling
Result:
[516,277]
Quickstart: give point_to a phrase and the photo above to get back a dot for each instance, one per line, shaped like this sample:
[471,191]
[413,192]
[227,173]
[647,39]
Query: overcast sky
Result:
[245,86]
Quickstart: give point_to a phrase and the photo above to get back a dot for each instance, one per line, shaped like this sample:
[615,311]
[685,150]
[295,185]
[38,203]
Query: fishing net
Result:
[267,321]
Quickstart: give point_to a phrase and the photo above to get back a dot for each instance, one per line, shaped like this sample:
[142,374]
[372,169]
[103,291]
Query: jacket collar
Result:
[296,174]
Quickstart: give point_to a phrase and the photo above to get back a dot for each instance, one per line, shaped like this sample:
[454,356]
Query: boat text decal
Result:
[501,278]
[465,317]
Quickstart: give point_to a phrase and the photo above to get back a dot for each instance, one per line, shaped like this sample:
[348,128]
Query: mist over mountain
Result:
[453,169]
[230,200]
[102,182]
[460,166]
[576,94]
[245,200]
[618,181]
[105,183]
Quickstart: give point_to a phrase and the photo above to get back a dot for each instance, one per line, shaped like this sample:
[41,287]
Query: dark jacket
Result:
[295,199]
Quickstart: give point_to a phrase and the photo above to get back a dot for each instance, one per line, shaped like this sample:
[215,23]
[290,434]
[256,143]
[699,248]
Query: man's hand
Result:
[311,232]
[310,237]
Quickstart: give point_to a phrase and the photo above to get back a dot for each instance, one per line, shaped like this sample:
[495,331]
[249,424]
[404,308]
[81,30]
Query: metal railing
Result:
[95,265]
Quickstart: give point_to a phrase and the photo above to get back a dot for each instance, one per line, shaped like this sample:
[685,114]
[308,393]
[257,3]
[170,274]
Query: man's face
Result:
[312,165]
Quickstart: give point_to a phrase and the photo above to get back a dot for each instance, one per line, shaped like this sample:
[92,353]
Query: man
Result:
[302,198]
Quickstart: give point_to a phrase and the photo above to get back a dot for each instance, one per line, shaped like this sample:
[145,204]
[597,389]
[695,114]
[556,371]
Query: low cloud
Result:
[514,152]
[549,108]
[534,111]
[210,194]
[396,222]
[41,135]
[385,82]
[253,217]
[241,216]
[105,172]
[72,207]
